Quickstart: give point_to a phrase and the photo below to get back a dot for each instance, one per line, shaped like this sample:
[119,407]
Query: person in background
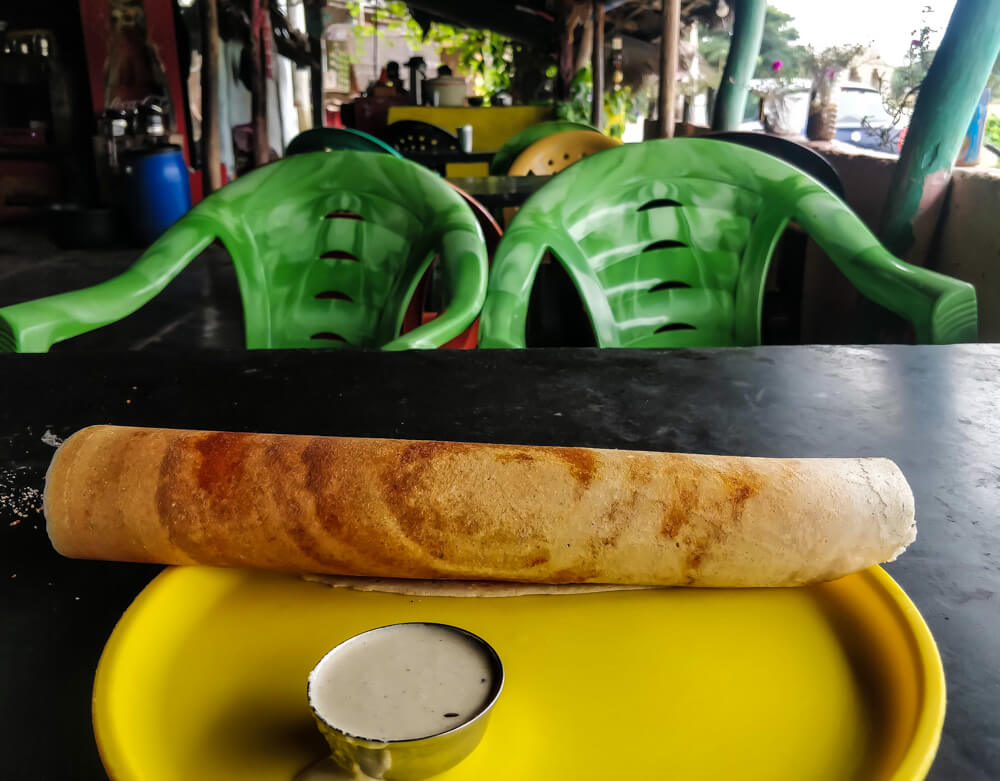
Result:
[393,79]
[389,83]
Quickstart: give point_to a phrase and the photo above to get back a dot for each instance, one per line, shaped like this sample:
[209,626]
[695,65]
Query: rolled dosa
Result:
[462,511]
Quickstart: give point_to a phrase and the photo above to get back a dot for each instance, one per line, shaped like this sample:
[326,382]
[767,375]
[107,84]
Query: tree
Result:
[777,45]
[713,46]
[994,80]
[484,55]
[907,78]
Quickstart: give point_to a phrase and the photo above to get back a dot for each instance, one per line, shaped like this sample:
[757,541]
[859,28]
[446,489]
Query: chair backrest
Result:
[328,139]
[413,136]
[517,143]
[668,244]
[329,247]
[556,152]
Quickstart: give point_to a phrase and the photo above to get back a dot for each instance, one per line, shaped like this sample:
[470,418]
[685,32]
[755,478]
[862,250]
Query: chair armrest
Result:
[942,309]
[502,323]
[463,260]
[34,326]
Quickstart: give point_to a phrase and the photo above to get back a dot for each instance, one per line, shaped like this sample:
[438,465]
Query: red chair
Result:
[417,313]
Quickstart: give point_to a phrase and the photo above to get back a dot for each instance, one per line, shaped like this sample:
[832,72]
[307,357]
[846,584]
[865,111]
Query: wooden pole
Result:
[945,104]
[315,31]
[566,21]
[669,41]
[211,150]
[261,145]
[597,67]
[744,49]
[375,41]
[585,49]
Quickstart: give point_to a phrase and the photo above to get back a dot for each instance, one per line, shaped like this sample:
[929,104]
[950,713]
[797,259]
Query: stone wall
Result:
[968,242]
[958,235]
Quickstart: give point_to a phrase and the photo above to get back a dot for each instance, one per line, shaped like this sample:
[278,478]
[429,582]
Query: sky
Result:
[887,24]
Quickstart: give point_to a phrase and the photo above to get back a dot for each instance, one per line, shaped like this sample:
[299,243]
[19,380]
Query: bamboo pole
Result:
[211,149]
[597,66]
[744,49]
[945,105]
[669,41]
[261,145]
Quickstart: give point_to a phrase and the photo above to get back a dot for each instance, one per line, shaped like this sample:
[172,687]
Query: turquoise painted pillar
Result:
[744,49]
[945,104]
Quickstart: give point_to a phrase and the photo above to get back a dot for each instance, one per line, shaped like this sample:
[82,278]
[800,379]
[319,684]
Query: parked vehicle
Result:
[862,119]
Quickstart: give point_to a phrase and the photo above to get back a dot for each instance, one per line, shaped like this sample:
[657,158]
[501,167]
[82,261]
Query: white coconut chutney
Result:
[402,682]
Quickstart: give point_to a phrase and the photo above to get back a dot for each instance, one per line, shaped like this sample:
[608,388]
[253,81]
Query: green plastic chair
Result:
[328,249]
[668,244]
[329,139]
[517,143]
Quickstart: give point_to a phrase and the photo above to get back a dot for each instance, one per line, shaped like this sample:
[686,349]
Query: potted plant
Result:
[826,67]
[777,114]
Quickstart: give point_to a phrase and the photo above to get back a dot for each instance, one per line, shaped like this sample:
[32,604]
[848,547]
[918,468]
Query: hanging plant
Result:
[485,56]
[619,104]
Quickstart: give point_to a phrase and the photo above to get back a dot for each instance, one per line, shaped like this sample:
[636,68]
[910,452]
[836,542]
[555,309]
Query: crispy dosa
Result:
[389,508]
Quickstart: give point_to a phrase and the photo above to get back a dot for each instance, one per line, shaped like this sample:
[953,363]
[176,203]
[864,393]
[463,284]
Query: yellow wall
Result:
[491,127]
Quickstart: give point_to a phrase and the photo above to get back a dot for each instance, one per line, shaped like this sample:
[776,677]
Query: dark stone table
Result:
[935,410]
[497,192]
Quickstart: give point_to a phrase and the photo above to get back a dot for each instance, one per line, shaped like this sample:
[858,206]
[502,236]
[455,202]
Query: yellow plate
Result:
[205,678]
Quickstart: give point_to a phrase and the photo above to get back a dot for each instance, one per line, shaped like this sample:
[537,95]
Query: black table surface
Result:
[932,409]
[499,191]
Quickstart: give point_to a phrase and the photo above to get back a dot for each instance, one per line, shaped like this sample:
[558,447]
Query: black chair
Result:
[802,157]
[424,143]
[410,136]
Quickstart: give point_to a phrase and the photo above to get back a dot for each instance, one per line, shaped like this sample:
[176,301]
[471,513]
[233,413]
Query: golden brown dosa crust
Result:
[449,510]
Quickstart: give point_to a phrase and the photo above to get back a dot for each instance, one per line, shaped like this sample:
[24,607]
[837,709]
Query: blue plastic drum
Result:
[156,190]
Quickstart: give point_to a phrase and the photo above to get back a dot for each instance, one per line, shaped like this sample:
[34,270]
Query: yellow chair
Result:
[552,154]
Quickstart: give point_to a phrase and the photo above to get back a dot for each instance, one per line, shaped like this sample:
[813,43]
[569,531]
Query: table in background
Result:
[491,126]
[932,409]
[446,160]
[499,192]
